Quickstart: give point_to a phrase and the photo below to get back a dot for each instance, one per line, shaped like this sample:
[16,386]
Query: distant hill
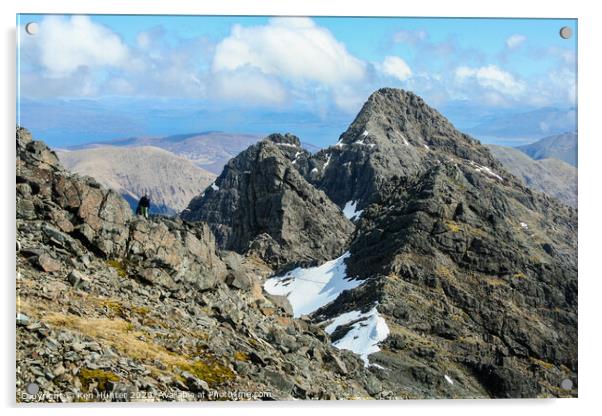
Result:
[170,180]
[505,127]
[208,150]
[561,146]
[551,176]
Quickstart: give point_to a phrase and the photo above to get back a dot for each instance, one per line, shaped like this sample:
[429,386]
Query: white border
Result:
[590,217]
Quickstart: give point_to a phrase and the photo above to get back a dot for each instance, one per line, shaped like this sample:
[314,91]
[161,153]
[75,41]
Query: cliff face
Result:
[261,203]
[112,307]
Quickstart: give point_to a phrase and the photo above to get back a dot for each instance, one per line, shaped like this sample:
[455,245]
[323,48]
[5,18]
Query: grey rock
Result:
[195,384]
[259,193]
[78,280]
[279,381]
[48,263]
[338,364]
[22,319]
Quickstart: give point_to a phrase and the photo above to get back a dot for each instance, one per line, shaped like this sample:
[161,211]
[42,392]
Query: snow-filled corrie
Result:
[350,210]
[365,332]
[308,289]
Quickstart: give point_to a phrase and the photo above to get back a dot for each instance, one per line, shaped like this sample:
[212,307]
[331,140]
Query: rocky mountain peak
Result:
[284,139]
[261,203]
[395,134]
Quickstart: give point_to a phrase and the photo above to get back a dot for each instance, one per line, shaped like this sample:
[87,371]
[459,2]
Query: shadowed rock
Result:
[261,202]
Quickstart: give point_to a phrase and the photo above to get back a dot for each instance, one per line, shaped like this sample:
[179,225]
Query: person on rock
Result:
[143,206]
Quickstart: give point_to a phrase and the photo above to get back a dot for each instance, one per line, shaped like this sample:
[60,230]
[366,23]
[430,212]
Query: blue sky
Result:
[84,78]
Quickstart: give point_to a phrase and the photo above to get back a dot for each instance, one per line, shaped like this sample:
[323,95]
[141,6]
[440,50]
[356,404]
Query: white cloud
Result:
[295,48]
[515,41]
[65,44]
[396,67]
[412,37]
[248,86]
[491,77]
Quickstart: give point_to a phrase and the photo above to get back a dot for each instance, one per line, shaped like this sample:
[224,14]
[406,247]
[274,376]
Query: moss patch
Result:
[241,356]
[453,226]
[444,272]
[88,376]
[119,267]
[209,370]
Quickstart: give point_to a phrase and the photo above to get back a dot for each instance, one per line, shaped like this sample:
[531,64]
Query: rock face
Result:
[262,203]
[75,205]
[171,181]
[115,308]
[550,176]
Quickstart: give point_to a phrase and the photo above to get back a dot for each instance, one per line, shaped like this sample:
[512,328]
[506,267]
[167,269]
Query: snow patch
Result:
[486,170]
[365,133]
[296,157]
[426,147]
[449,379]
[366,331]
[314,170]
[327,161]
[405,141]
[287,145]
[524,225]
[350,210]
[214,187]
[339,143]
[308,289]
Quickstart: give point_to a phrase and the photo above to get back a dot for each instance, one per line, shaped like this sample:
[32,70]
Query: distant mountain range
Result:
[561,146]
[208,150]
[170,180]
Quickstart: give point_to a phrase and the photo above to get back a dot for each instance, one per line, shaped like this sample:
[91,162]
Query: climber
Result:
[143,206]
